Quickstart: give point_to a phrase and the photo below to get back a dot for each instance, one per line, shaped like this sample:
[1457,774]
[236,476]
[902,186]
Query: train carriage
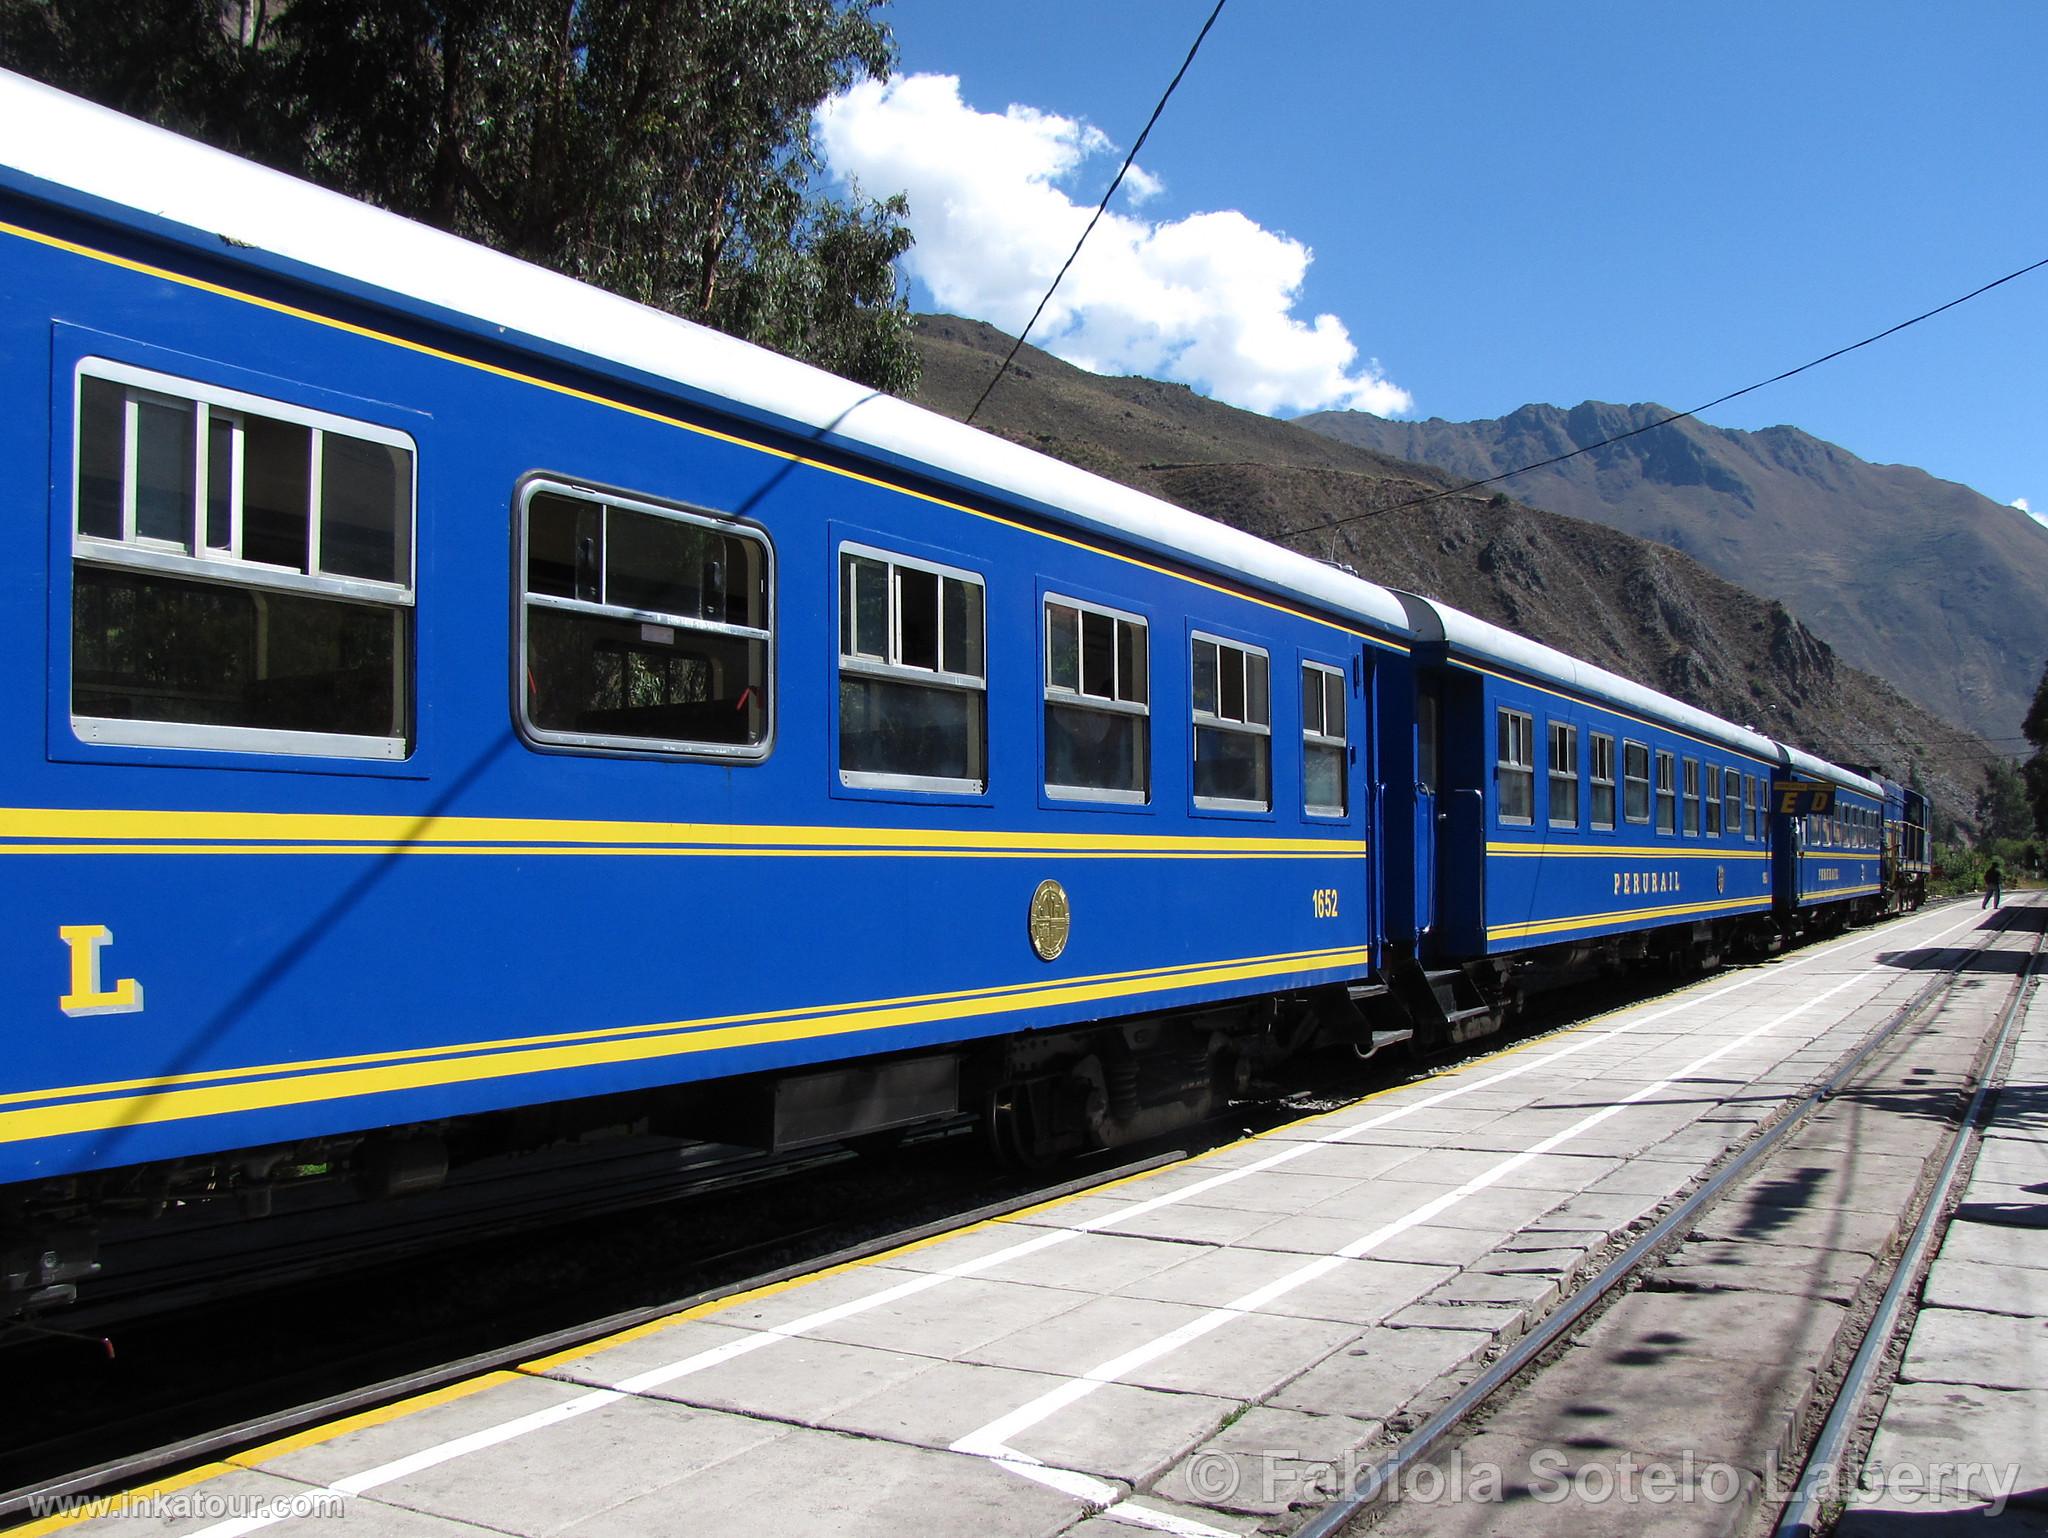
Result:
[450,689]
[1828,841]
[1578,814]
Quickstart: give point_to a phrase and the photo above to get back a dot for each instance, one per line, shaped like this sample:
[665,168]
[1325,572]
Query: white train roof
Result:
[1485,642]
[59,138]
[1803,762]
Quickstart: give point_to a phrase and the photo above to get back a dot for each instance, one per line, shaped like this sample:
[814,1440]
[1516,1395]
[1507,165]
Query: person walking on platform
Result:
[1994,886]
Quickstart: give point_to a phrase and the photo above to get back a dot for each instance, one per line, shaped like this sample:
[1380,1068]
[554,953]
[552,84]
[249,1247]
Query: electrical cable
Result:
[1676,416]
[1100,209]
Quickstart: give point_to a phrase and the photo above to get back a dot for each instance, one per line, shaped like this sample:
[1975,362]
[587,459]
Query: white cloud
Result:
[2024,506]
[1209,299]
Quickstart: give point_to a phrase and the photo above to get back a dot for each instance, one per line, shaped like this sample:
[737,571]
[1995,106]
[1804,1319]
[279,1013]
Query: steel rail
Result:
[1386,1473]
[1802,1514]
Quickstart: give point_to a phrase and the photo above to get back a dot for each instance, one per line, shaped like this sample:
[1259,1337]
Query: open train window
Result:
[645,626]
[1564,775]
[1325,745]
[1603,780]
[1667,792]
[1692,797]
[1635,779]
[913,679]
[242,572]
[1233,725]
[1098,711]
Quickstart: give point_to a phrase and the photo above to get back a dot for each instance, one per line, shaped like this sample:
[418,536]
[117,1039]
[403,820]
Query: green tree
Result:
[662,149]
[2003,812]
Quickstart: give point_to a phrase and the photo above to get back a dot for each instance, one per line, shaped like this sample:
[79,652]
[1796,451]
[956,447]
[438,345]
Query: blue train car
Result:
[1828,838]
[1579,815]
[438,688]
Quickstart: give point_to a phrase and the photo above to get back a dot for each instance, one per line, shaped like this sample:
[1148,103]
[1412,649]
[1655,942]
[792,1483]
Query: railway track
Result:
[1818,1444]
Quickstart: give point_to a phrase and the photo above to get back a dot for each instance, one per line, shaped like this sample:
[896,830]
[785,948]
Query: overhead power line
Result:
[1100,208]
[1666,421]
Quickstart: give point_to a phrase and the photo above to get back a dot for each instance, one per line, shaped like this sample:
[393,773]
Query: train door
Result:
[1428,748]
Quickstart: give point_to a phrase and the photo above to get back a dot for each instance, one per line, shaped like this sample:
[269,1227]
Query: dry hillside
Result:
[1642,609]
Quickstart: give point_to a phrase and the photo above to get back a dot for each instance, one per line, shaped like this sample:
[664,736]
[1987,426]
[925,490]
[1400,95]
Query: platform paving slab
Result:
[1268,1460]
[1988,1287]
[815,1484]
[801,1381]
[972,1312]
[534,1485]
[1740,1221]
[1384,1372]
[1953,1345]
[246,1493]
[1123,1432]
[1994,1244]
[1983,1442]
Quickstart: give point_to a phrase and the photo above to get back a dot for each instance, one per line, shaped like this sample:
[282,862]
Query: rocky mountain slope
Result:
[1918,580]
[1641,609]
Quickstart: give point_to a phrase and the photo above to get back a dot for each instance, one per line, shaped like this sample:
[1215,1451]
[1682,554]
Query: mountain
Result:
[1918,580]
[1642,609]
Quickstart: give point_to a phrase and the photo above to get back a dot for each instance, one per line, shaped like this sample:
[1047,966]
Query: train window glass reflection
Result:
[1603,780]
[644,627]
[1233,729]
[1635,778]
[913,682]
[1515,765]
[1325,743]
[1731,809]
[241,572]
[1564,775]
[1667,792]
[1097,704]
[1692,797]
[1713,804]
[1426,713]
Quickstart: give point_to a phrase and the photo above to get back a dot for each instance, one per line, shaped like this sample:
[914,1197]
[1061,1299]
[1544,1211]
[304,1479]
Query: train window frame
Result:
[1319,742]
[1731,803]
[1563,773]
[1710,806]
[1633,782]
[199,550]
[606,619]
[1077,698]
[1216,724]
[1514,764]
[1667,792]
[1602,782]
[1691,773]
[888,668]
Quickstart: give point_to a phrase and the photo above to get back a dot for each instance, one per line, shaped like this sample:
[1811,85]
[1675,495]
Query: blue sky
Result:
[1454,209]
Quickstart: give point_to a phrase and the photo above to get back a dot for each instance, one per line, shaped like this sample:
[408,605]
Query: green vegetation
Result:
[658,148]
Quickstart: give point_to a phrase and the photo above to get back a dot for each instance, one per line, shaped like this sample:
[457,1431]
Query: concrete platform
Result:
[1210,1348]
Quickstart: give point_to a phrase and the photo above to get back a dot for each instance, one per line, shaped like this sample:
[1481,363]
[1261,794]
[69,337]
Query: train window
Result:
[644,627]
[1731,812]
[242,572]
[1754,789]
[1233,729]
[1692,797]
[1426,709]
[1603,780]
[1635,779]
[1667,792]
[1097,704]
[1515,765]
[1713,804]
[913,679]
[1325,744]
[1564,775]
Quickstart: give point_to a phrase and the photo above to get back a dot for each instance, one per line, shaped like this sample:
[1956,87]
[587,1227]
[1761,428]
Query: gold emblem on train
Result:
[1051,918]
